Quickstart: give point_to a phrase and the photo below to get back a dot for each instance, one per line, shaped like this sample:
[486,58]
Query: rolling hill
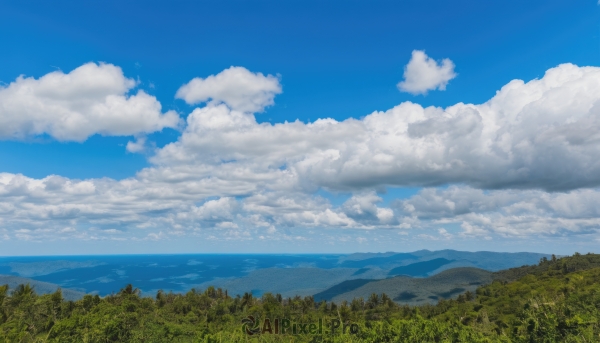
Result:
[411,291]
[420,268]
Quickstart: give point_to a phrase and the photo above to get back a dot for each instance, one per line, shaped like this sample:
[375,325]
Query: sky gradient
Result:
[312,126]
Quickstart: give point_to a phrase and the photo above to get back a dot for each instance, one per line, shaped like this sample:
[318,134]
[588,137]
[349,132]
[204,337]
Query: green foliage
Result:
[555,301]
[564,265]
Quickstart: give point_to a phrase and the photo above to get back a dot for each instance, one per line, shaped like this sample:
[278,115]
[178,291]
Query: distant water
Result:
[104,275]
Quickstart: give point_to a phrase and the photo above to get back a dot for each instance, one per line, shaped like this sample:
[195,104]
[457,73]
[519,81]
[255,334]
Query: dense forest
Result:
[555,301]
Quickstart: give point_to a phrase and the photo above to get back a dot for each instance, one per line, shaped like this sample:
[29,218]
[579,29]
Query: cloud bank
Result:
[542,134]
[524,163]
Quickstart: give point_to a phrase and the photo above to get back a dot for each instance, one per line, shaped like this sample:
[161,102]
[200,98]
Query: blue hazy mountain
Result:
[286,274]
[380,262]
[420,268]
[107,274]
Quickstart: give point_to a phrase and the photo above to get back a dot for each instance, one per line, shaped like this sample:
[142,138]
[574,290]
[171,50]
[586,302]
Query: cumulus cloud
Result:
[505,212]
[56,207]
[229,173]
[423,74]
[92,99]
[363,208]
[540,134]
[218,212]
[236,87]
[139,145]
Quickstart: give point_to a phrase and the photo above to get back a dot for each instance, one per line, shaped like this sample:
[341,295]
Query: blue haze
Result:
[178,273]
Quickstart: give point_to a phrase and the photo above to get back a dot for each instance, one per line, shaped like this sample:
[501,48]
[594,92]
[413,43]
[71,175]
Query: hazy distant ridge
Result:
[39,287]
[288,275]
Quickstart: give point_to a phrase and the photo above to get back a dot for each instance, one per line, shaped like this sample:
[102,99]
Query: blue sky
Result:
[330,59]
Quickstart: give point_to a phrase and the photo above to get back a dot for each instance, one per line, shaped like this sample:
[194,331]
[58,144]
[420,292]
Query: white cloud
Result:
[362,208]
[423,74]
[236,87]
[221,210]
[445,234]
[139,145]
[92,99]
[54,207]
[539,134]
[506,212]
[230,174]
[156,236]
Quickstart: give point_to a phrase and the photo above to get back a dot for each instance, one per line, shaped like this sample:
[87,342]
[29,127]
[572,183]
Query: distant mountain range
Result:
[487,260]
[413,278]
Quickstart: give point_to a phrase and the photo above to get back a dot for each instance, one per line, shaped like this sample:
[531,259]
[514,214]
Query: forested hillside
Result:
[411,291]
[555,301]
